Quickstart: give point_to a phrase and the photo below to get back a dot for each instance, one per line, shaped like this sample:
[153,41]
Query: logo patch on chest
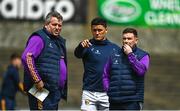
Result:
[116,62]
[97,52]
[50,45]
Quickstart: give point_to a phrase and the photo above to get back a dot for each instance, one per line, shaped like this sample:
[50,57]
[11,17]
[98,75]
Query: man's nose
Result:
[97,32]
[57,27]
[126,40]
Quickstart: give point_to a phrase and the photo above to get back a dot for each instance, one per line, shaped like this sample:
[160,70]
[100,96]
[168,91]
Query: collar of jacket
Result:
[99,42]
[50,35]
[12,66]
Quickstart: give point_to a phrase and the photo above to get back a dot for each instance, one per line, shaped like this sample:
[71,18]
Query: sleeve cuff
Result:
[131,57]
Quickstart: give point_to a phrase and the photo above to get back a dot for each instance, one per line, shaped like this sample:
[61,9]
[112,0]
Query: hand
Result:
[127,49]
[21,86]
[3,104]
[85,43]
[39,85]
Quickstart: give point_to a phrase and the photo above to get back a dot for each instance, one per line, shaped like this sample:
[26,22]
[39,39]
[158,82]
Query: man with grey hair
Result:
[45,63]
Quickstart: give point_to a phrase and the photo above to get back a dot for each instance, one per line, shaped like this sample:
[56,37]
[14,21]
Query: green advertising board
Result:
[148,13]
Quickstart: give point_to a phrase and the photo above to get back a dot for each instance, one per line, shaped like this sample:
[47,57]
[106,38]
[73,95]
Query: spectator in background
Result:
[94,53]
[127,71]
[11,83]
[44,60]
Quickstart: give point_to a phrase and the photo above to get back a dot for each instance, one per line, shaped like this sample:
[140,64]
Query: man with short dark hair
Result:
[11,83]
[94,53]
[127,69]
[45,63]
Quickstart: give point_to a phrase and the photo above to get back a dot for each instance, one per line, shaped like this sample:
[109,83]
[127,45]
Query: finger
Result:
[124,48]
[125,45]
[83,45]
[128,46]
[87,43]
[40,87]
[42,84]
[84,42]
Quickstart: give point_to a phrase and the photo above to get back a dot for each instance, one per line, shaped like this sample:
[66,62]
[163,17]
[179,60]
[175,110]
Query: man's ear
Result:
[46,24]
[136,40]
